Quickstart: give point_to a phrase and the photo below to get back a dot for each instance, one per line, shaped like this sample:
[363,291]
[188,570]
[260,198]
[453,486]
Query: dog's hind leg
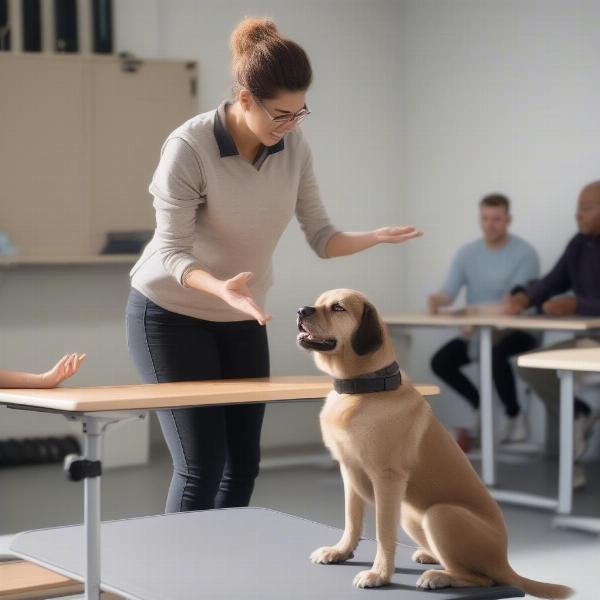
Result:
[424,557]
[354,510]
[440,578]
[467,545]
[411,523]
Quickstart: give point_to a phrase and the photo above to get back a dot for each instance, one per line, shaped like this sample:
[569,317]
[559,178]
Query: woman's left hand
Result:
[396,234]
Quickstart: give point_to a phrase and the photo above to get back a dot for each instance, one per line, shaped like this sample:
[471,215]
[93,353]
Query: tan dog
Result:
[393,452]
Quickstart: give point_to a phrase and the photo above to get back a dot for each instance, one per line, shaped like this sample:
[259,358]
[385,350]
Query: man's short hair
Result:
[495,200]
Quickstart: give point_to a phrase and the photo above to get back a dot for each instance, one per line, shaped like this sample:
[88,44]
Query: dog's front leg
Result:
[388,491]
[354,512]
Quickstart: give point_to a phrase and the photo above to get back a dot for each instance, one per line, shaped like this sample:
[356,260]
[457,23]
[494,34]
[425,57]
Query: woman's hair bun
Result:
[249,33]
[264,63]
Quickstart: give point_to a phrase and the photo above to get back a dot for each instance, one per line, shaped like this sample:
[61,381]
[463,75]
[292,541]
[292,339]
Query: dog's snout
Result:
[306,311]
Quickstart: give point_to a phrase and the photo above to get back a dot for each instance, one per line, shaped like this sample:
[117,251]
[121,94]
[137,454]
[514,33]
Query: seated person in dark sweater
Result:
[572,287]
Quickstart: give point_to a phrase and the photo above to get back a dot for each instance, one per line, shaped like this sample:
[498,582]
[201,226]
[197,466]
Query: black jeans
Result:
[215,449]
[448,360]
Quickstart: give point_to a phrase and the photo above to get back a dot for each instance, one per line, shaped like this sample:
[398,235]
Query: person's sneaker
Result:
[582,429]
[516,430]
[579,478]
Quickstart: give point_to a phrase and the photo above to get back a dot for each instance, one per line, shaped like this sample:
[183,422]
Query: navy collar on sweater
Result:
[224,140]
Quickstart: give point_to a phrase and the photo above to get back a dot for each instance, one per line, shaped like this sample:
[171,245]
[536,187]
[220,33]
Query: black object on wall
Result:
[4,27]
[32,26]
[65,19]
[102,26]
[30,451]
[126,242]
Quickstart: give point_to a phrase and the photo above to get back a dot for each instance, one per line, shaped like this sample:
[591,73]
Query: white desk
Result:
[486,323]
[99,407]
[566,362]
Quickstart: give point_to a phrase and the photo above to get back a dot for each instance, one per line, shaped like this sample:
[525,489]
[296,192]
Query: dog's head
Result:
[346,333]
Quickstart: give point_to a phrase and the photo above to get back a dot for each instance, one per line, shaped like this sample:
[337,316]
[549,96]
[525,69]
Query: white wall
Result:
[497,96]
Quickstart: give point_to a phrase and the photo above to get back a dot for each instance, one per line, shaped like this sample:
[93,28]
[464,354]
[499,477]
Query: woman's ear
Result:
[368,336]
[245,99]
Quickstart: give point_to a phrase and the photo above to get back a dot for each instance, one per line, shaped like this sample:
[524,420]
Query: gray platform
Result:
[233,554]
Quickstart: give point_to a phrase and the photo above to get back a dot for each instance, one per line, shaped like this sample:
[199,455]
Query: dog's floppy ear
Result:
[368,336]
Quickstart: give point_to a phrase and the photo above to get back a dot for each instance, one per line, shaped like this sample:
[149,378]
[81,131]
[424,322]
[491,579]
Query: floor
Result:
[40,496]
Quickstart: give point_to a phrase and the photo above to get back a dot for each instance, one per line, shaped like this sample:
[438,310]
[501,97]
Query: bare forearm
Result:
[17,379]
[350,242]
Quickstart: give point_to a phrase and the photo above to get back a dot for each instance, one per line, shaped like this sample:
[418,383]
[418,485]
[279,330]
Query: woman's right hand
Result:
[235,292]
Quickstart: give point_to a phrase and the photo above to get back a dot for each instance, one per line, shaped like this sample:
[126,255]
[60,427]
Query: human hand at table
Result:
[236,293]
[66,367]
[561,306]
[515,304]
[436,301]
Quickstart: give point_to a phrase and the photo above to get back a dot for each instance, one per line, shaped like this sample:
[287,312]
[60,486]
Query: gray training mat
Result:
[233,554]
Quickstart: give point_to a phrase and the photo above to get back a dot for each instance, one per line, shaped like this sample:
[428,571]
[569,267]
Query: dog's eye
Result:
[337,307]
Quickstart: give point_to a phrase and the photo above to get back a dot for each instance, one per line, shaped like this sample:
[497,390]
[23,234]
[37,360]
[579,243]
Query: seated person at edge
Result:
[572,287]
[488,268]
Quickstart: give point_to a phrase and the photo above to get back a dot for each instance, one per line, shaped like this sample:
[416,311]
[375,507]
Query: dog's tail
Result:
[539,589]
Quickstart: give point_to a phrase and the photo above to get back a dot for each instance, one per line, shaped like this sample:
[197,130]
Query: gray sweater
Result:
[218,212]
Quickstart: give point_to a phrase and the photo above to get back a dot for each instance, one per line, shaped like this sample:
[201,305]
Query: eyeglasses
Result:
[295,118]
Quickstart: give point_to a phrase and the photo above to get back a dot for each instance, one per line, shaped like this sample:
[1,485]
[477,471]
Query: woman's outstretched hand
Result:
[396,234]
[236,293]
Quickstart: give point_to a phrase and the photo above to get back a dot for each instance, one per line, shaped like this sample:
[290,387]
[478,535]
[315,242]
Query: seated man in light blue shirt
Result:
[488,268]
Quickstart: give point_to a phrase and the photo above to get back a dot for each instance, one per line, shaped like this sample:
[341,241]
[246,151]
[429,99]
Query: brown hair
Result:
[495,200]
[265,63]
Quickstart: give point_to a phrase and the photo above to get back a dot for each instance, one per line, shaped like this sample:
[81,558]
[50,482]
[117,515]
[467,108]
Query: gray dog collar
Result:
[383,380]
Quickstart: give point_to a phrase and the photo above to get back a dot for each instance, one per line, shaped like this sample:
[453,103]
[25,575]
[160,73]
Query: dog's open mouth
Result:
[308,340]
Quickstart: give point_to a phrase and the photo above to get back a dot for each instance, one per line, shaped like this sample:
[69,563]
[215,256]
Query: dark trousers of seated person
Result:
[215,449]
[450,358]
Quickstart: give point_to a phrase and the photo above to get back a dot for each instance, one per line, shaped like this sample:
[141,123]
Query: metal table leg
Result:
[564,502]
[590,524]
[92,429]
[487,410]
[565,476]
[94,426]
[565,465]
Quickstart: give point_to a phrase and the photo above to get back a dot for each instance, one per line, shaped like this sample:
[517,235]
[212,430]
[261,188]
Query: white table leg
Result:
[487,409]
[94,425]
[565,468]
[591,524]
[92,515]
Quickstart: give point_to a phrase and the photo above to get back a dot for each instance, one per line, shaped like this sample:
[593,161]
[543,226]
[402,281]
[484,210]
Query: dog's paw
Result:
[423,557]
[330,554]
[369,579]
[433,580]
